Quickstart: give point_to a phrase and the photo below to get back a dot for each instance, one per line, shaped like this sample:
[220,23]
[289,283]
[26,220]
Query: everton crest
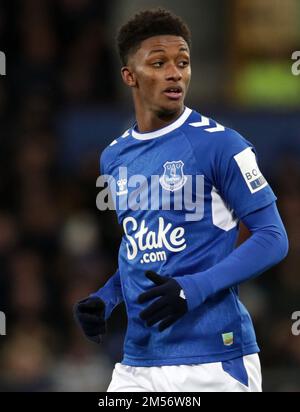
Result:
[173,177]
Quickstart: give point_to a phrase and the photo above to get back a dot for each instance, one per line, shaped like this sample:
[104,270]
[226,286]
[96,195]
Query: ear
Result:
[128,76]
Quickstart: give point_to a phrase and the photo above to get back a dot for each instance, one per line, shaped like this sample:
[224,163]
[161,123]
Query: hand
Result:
[89,313]
[170,306]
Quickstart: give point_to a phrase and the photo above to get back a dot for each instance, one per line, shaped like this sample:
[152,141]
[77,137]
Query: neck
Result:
[148,121]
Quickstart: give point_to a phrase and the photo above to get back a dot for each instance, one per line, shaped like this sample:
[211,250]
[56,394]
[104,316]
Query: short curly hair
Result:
[149,23]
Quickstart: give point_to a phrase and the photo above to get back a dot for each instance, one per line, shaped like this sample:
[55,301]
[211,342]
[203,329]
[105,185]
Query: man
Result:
[179,270]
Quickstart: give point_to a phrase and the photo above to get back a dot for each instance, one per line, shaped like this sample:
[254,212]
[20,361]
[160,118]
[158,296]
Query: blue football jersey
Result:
[179,194]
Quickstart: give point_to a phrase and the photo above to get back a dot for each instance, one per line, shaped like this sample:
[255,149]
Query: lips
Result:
[173,93]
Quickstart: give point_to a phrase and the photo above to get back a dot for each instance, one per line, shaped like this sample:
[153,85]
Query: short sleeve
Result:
[238,177]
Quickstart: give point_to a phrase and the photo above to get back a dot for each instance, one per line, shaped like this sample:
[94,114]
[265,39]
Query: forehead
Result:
[166,43]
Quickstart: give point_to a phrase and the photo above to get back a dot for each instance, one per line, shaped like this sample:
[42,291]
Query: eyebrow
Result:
[163,50]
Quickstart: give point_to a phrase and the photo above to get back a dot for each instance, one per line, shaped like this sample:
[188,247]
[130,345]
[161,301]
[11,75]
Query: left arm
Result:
[267,246]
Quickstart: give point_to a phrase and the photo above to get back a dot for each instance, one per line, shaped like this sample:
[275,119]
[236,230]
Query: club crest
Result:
[173,177]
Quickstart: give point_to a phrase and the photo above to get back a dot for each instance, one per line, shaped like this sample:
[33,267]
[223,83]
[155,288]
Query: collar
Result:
[165,130]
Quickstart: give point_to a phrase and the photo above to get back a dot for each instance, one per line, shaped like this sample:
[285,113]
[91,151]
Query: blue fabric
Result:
[110,293]
[236,369]
[190,245]
[267,246]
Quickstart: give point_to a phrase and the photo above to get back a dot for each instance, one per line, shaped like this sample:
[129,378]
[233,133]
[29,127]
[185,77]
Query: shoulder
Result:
[112,151]
[210,134]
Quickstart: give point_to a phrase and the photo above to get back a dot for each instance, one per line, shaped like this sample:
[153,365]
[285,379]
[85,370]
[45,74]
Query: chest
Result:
[161,175]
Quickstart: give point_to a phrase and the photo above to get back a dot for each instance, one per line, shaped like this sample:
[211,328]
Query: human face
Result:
[159,73]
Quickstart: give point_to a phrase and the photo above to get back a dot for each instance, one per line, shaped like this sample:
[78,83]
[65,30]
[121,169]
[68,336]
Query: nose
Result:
[173,73]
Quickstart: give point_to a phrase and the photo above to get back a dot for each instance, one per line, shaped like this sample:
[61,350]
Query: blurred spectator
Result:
[26,358]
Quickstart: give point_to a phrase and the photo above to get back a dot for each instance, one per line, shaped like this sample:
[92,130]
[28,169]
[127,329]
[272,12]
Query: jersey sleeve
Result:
[269,245]
[102,163]
[237,176]
[107,157]
[110,293]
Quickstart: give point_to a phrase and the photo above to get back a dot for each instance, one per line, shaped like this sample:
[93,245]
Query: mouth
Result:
[173,93]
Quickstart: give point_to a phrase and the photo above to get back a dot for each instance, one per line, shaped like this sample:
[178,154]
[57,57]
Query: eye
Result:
[157,64]
[183,63]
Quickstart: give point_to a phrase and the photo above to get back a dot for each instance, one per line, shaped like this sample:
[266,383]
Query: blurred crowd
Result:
[55,246]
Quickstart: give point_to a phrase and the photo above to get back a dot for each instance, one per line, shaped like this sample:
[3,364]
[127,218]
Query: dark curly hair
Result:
[149,23]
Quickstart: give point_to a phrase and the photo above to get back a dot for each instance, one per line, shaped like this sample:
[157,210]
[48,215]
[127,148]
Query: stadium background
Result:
[61,102]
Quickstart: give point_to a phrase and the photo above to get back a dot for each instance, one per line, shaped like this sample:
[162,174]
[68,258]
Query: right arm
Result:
[92,312]
[110,293]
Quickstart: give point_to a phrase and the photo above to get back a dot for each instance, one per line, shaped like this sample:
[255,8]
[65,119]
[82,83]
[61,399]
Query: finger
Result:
[155,278]
[93,330]
[89,319]
[92,306]
[159,316]
[151,310]
[166,323]
[155,292]
[96,339]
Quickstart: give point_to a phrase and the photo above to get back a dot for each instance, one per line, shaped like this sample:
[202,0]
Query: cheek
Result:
[149,86]
[187,77]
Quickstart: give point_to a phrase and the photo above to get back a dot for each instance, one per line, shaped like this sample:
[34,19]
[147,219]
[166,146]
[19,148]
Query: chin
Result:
[170,109]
